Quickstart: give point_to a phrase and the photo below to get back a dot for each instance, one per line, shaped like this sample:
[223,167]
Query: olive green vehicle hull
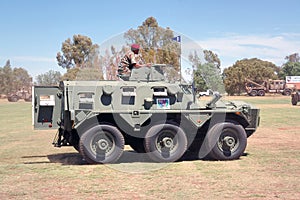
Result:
[161,119]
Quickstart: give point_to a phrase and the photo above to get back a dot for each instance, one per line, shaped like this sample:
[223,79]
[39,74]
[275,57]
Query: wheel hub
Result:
[229,141]
[103,144]
[167,142]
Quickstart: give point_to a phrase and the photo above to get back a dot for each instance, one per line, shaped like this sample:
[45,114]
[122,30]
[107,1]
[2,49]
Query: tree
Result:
[6,78]
[213,58]
[291,67]
[255,69]
[12,80]
[81,58]
[156,42]
[76,53]
[293,58]
[49,78]
[111,60]
[207,75]
[21,79]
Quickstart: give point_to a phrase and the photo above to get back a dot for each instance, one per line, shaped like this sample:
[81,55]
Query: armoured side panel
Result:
[46,107]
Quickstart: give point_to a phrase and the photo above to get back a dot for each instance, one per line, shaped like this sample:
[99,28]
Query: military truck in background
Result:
[20,94]
[158,117]
[269,86]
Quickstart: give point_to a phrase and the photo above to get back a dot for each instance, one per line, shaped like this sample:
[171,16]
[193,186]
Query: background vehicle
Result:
[21,94]
[270,86]
[160,118]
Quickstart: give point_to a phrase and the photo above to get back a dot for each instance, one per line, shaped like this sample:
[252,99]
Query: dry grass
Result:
[30,168]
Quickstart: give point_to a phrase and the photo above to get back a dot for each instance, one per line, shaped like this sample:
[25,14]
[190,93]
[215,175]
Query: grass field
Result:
[31,168]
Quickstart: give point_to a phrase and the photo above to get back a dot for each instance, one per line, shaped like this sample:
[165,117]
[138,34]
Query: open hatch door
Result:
[46,107]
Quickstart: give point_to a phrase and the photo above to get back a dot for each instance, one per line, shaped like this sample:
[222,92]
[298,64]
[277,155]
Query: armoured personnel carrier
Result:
[155,116]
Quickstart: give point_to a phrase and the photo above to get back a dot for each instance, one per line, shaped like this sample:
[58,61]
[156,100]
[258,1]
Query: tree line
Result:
[82,60]
[14,79]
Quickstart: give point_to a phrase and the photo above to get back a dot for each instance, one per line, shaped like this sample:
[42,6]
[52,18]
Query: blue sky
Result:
[32,31]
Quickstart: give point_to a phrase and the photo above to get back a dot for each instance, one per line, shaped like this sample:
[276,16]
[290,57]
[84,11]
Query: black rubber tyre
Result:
[102,144]
[261,93]
[13,98]
[287,92]
[165,143]
[226,141]
[294,99]
[253,93]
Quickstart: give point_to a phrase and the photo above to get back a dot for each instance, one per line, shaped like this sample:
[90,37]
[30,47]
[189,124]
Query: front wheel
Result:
[228,141]
[287,92]
[294,99]
[165,143]
[102,144]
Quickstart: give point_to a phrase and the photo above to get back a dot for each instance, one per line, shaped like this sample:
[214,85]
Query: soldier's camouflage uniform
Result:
[128,62]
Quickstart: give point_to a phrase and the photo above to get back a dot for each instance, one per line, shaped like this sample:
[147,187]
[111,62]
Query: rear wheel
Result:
[13,98]
[261,93]
[227,141]
[102,144]
[253,93]
[165,143]
[287,92]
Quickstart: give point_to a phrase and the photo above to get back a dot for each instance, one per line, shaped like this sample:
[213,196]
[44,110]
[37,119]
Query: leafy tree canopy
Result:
[207,75]
[81,58]
[76,52]
[14,79]
[291,67]
[156,42]
[49,78]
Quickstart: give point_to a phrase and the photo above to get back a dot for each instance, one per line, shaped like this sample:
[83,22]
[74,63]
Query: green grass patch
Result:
[263,100]
[31,168]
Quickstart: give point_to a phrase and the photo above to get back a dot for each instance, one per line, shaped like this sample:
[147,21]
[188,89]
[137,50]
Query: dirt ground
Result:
[30,168]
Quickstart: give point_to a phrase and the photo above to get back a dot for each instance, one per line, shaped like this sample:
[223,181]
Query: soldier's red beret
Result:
[135,46]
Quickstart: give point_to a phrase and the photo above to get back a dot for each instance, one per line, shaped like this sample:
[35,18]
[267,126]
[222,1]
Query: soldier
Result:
[132,59]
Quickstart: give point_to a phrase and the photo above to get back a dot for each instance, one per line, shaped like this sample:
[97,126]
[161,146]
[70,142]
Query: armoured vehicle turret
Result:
[154,115]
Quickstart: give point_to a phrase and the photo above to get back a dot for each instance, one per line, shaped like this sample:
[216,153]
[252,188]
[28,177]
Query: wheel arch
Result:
[96,119]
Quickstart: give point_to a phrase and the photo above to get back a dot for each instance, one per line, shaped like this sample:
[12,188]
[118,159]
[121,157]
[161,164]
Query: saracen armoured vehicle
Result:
[161,118]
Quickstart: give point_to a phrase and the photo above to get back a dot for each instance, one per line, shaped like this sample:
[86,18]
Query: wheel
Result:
[102,144]
[287,92]
[13,98]
[261,93]
[294,99]
[165,143]
[253,93]
[227,141]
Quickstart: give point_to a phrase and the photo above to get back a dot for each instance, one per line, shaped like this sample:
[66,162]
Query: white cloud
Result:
[266,47]
[33,59]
